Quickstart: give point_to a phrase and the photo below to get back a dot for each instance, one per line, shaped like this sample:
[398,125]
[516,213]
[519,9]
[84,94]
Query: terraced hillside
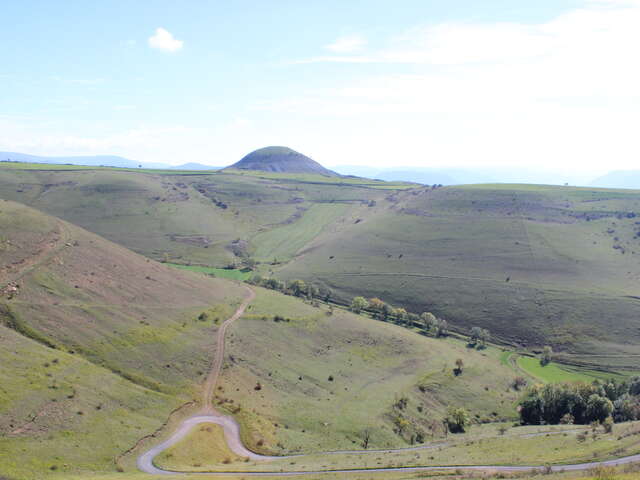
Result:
[97,344]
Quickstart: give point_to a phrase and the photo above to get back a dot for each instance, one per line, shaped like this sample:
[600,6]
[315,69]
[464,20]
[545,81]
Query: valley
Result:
[136,337]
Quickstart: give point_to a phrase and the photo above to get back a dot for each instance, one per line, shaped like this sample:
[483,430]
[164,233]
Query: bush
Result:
[457,420]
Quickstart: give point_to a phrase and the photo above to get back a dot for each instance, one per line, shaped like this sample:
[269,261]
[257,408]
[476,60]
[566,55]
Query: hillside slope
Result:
[533,264]
[185,216]
[97,343]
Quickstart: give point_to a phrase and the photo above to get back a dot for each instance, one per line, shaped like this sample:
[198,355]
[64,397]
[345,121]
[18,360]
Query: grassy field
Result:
[556,372]
[231,274]
[324,378]
[284,242]
[205,445]
[98,345]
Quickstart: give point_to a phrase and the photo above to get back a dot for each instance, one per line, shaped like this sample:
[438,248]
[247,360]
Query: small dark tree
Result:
[547,356]
[459,366]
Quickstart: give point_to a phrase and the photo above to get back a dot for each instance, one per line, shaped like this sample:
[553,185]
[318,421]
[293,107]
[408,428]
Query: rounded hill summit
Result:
[281,160]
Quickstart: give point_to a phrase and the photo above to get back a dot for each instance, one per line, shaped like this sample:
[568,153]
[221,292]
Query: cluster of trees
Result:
[581,403]
[427,321]
[479,336]
[297,288]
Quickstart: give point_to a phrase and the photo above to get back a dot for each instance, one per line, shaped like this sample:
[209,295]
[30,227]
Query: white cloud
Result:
[560,92]
[165,41]
[347,44]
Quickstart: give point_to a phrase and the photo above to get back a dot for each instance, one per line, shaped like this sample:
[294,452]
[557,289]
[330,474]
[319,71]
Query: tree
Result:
[519,382]
[366,437]
[298,288]
[599,408]
[442,327]
[457,420]
[428,321]
[474,337]
[358,304]
[547,356]
[387,311]
[401,315]
[459,366]
[249,263]
[327,295]
[377,306]
[485,336]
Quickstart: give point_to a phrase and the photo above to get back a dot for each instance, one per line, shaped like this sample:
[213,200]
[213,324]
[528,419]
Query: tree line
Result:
[581,403]
[378,309]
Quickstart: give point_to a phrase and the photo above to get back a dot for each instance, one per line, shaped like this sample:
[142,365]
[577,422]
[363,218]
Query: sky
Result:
[429,83]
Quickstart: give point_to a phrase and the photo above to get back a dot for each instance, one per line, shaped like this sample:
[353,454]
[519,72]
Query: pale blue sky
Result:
[407,82]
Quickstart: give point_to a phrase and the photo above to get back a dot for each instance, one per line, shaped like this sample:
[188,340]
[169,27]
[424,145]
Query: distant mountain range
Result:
[619,179]
[285,159]
[463,176]
[99,160]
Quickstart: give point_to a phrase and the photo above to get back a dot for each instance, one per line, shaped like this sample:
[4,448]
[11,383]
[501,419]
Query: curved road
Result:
[232,435]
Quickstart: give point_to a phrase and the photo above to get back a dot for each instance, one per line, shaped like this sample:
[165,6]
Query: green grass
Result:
[231,274]
[203,446]
[62,413]
[129,345]
[373,364]
[533,264]
[556,372]
[283,242]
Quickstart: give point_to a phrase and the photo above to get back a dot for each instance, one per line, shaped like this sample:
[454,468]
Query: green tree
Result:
[475,334]
[401,315]
[485,336]
[547,356]
[441,328]
[599,408]
[298,288]
[428,321]
[457,420]
[377,306]
[358,304]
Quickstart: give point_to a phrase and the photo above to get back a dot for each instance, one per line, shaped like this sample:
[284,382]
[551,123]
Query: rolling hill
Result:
[281,160]
[534,264]
[89,160]
[98,344]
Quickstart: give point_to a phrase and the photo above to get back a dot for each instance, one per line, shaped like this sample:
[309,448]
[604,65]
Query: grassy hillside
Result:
[98,344]
[324,378]
[187,217]
[534,264]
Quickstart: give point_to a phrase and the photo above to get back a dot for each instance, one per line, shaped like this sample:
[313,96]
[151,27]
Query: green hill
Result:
[97,344]
[533,264]
[280,160]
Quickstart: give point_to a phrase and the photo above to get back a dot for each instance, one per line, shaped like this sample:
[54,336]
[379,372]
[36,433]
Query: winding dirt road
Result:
[231,430]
